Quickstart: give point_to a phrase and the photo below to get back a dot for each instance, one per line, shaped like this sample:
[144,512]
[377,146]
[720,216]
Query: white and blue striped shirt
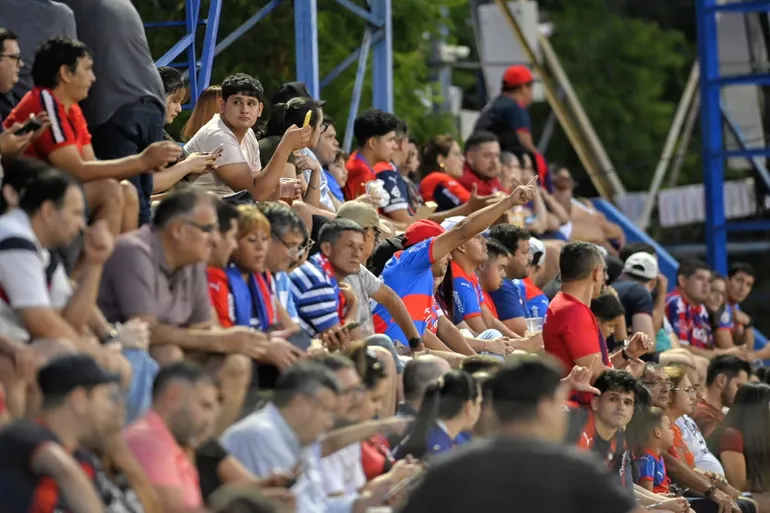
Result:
[316,297]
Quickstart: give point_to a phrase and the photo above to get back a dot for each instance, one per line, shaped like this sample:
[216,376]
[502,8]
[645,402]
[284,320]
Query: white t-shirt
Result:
[23,279]
[343,472]
[692,436]
[209,138]
[323,182]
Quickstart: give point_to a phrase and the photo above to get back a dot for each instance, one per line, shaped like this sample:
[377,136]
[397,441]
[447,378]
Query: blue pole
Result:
[209,44]
[358,86]
[382,59]
[711,130]
[306,38]
[192,8]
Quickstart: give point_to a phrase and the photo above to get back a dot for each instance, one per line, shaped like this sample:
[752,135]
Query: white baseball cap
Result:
[642,265]
[536,252]
[450,222]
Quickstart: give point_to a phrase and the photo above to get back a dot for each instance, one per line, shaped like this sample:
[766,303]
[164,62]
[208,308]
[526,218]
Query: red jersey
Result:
[68,126]
[359,173]
[485,187]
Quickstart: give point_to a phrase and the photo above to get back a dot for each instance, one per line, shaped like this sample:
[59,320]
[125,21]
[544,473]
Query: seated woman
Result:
[193,164]
[442,164]
[450,409]
[243,294]
[742,442]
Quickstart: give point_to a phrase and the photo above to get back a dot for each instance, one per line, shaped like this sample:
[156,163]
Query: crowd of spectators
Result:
[251,320]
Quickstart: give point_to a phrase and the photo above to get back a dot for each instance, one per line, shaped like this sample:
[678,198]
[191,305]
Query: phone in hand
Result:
[351,326]
[31,125]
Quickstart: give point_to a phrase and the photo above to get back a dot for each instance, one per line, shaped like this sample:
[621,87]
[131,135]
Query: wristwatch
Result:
[109,336]
[415,342]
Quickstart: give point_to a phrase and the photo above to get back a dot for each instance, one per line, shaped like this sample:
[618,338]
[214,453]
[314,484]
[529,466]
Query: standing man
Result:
[126,107]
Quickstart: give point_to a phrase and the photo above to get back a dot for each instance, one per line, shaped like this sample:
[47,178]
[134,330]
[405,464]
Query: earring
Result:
[441,165]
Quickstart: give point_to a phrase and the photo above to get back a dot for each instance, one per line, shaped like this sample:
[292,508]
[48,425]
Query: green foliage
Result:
[622,69]
[267,52]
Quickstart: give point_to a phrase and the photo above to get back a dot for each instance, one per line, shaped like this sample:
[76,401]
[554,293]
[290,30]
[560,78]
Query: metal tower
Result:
[378,37]
[712,116]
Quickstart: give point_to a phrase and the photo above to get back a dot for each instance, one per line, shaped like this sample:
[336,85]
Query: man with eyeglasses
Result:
[10,64]
[158,273]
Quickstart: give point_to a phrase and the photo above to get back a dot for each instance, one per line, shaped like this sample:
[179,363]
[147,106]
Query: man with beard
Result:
[184,406]
[716,494]
[726,374]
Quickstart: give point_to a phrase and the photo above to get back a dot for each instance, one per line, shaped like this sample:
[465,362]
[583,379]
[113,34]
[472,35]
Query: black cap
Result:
[291,90]
[64,374]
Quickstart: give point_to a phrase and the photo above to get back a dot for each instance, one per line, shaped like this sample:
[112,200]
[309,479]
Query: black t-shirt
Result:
[509,474]
[634,297]
[208,457]
[504,118]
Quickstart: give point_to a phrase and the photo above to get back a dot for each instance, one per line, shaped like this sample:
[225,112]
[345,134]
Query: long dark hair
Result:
[444,398]
[750,416]
[290,113]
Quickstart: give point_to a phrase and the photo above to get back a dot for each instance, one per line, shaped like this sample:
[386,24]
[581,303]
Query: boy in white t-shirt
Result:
[239,167]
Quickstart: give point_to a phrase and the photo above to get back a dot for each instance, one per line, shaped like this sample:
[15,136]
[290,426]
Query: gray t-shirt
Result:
[35,21]
[364,284]
[123,65]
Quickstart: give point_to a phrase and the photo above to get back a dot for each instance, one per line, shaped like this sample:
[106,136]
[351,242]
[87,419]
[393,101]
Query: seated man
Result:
[509,300]
[63,74]
[36,298]
[157,273]
[239,167]
[482,163]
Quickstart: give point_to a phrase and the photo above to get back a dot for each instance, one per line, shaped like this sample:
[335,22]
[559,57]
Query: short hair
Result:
[18,172]
[226,214]
[293,112]
[728,365]
[402,130]
[282,219]
[418,373]
[476,139]
[46,184]
[607,307]
[332,230]
[495,249]
[687,268]
[518,387]
[506,158]
[373,123]
[52,55]
[303,378]
[251,219]
[741,267]
[636,247]
[335,362]
[480,362]
[241,83]
[578,260]
[173,81]
[180,202]
[509,236]
[615,380]
[328,120]
[7,35]
[189,372]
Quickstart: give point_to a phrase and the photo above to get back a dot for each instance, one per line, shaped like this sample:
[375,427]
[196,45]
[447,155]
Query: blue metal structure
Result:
[378,37]
[712,116]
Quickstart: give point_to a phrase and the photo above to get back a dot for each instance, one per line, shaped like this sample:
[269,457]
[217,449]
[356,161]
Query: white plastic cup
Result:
[534,324]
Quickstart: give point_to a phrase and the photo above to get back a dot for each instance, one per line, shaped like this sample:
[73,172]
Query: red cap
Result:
[422,230]
[517,75]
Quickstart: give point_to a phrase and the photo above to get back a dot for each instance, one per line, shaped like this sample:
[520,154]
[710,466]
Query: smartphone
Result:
[307,118]
[31,125]
[351,326]
[219,150]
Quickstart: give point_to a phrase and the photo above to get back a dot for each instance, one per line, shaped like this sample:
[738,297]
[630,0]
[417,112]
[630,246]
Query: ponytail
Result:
[277,124]
[415,441]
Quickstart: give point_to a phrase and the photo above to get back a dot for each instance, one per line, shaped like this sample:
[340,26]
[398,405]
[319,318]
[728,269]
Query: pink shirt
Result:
[161,458]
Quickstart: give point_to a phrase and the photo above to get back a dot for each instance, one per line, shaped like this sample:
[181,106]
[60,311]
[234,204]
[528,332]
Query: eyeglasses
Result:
[307,247]
[14,57]
[325,126]
[205,228]
[377,234]
[691,391]
[659,383]
[294,250]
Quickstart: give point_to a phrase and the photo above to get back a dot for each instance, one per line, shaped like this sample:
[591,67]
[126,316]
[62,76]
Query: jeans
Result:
[143,371]
[128,132]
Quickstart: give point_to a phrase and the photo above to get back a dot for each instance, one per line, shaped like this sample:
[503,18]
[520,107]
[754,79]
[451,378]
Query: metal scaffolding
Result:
[378,37]
[712,116]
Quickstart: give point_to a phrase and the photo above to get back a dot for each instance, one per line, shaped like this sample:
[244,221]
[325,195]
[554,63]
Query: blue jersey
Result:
[509,301]
[467,294]
[409,274]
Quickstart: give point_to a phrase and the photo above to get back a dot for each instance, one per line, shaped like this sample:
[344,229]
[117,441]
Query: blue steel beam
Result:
[175,51]
[748,153]
[306,39]
[209,42]
[246,26]
[737,7]
[755,162]
[362,13]
[759,79]
[711,133]
[382,59]
[348,61]
[191,11]
[758,225]
[358,87]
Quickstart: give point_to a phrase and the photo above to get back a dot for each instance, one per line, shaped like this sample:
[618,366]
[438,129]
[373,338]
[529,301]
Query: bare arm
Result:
[45,322]
[77,489]
[340,438]
[525,138]
[80,307]
[494,323]
[388,298]
[451,336]
[735,469]
[517,325]
[642,322]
